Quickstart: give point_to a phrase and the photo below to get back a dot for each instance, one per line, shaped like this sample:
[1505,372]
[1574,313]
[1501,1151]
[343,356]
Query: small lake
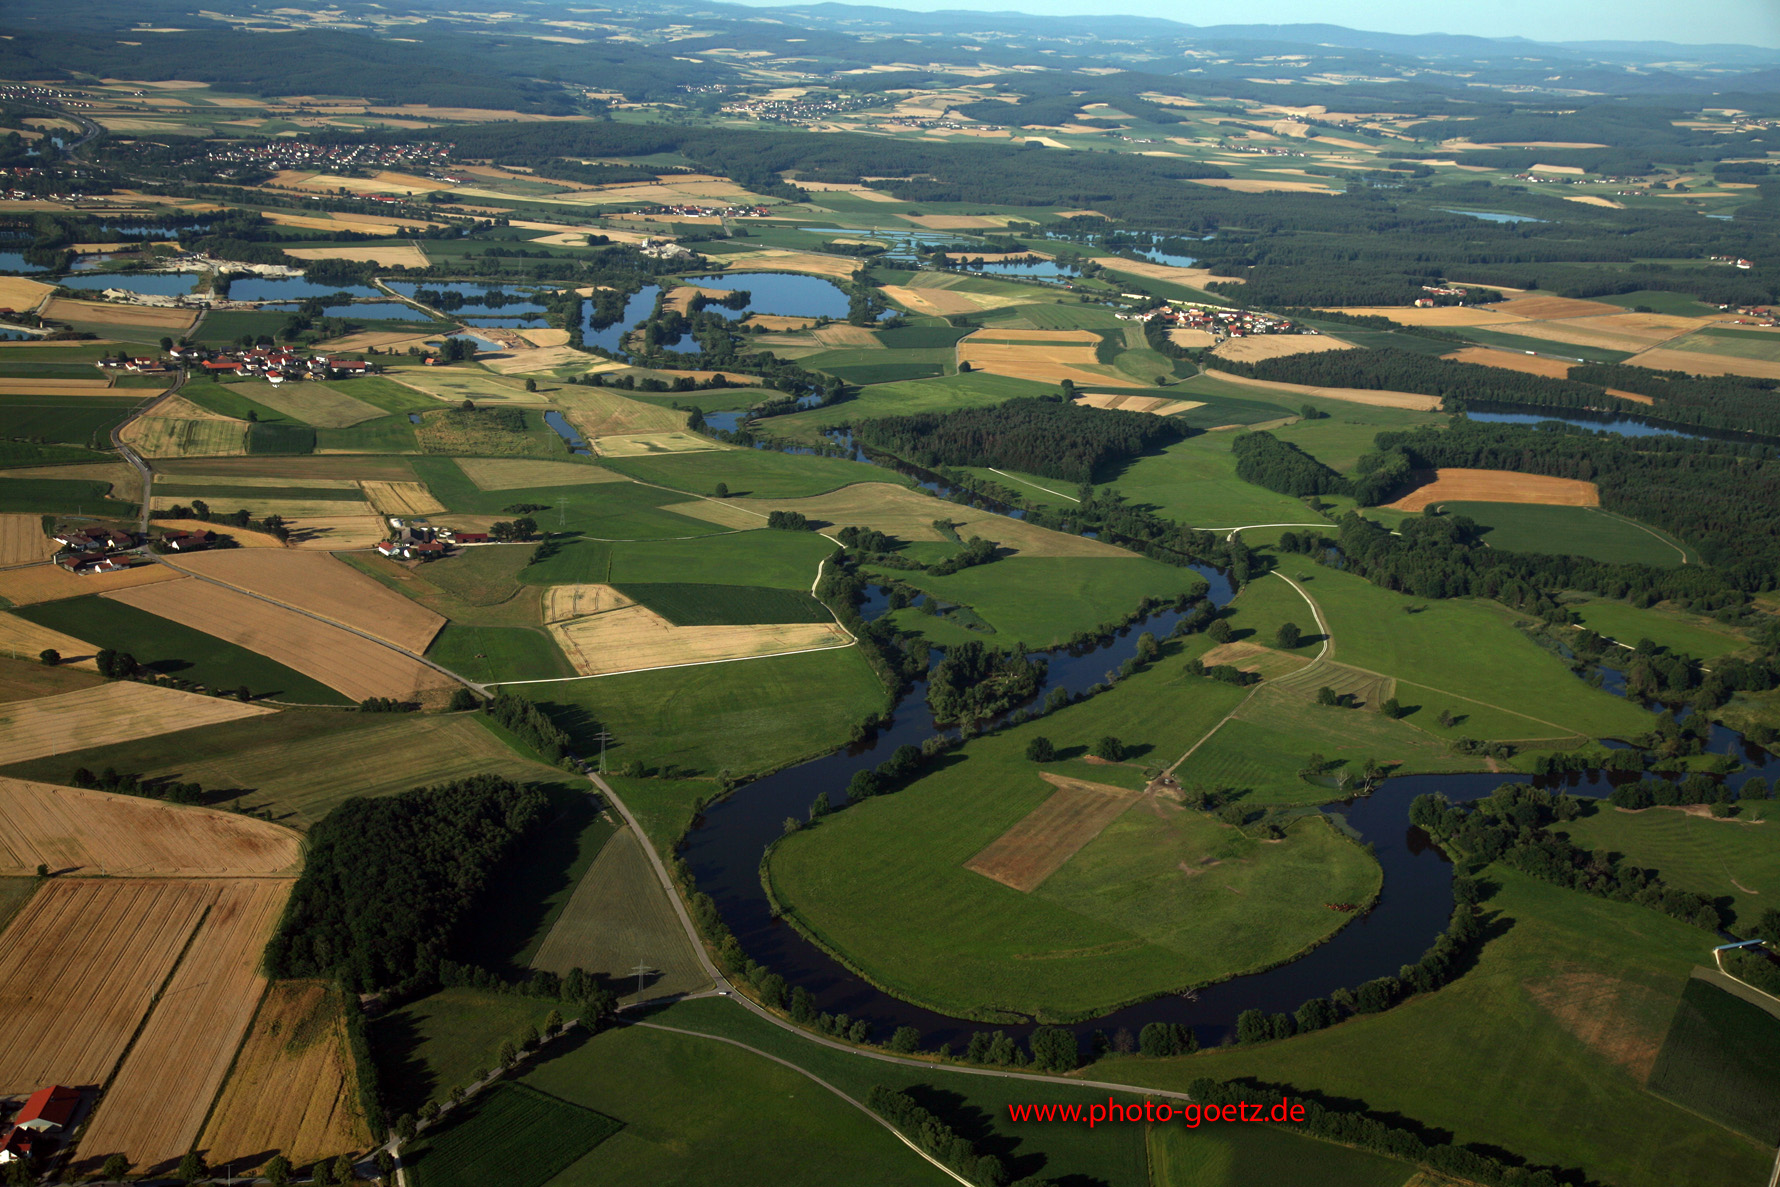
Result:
[1490,216]
[1173,261]
[481,342]
[779,293]
[902,243]
[1037,269]
[15,336]
[567,432]
[1611,424]
[94,263]
[611,336]
[147,284]
[389,310]
[509,300]
[510,322]
[294,288]
[14,261]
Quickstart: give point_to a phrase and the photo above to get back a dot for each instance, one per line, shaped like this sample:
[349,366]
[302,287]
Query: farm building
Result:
[40,1121]
[94,540]
[181,541]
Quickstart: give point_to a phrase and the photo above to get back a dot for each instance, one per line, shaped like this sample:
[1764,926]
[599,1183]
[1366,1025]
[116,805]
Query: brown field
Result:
[108,713]
[773,321]
[79,968]
[402,498]
[157,317]
[1273,346]
[390,255]
[1252,657]
[1259,186]
[1191,277]
[322,585]
[1446,315]
[1695,363]
[909,515]
[500,473]
[563,602]
[318,404]
[293,1088]
[546,337]
[617,916]
[1582,331]
[291,509]
[1351,395]
[1499,486]
[1037,846]
[23,639]
[242,537]
[48,583]
[839,335]
[643,444]
[154,1108]
[26,679]
[22,540]
[598,413]
[1511,360]
[171,437]
[354,666]
[18,293]
[1160,406]
[75,830]
[1192,339]
[1047,359]
[334,533]
[1546,308]
[633,638]
[57,387]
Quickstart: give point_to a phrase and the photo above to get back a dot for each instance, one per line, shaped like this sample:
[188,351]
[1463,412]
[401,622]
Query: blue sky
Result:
[1737,22]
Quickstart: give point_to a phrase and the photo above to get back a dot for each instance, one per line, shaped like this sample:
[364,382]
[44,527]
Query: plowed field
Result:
[1499,486]
[633,638]
[1052,833]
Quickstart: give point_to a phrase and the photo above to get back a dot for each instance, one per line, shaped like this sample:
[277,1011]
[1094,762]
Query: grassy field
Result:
[230,400]
[1262,1156]
[1042,601]
[490,654]
[973,390]
[58,496]
[688,604]
[605,510]
[760,473]
[1466,651]
[511,1133]
[74,420]
[428,1047]
[1121,919]
[1722,1058]
[386,434]
[1737,864]
[172,649]
[476,434]
[782,560]
[14,894]
[721,716]
[1555,1029]
[1581,531]
[1674,629]
[1194,482]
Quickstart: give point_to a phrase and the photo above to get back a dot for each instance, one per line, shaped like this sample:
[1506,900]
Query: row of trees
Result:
[1265,460]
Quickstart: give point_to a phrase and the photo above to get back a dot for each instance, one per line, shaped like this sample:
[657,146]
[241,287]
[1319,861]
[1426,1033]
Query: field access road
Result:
[136,459]
[724,988]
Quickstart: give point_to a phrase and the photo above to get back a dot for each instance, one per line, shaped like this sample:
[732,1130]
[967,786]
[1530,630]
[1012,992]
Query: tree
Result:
[722,490]
[1219,631]
[1040,749]
[525,527]
[462,699]
[819,807]
[322,1173]
[1110,749]
[1252,1026]
[1162,1039]
[531,385]
[552,1024]
[906,1040]
[508,1054]
[49,656]
[1391,708]
[1288,637]
[964,367]
[1054,1050]
[1148,650]
[1326,696]
[166,343]
[115,1168]
[468,406]
[191,1167]
[1313,765]
[344,1172]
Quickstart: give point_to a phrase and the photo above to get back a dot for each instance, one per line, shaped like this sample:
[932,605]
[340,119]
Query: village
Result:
[1219,320]
[279,364]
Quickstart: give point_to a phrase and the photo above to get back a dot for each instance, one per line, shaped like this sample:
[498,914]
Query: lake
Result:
[1611,424]
[779,293]
[148,284]
[515,300]
[295,288]
[14,261]
[1492,217]
[611,337]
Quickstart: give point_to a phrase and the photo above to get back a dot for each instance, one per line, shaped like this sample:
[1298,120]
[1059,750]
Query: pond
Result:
[294,288]
[14,261]
[148,284]
[1172,260]
[481,342]
[95,262]
[508,300]
[1492,217]
[902,243]
[611,335]
[15,336]
[779,293]
[1612,424]
[1038,269]
[567,432]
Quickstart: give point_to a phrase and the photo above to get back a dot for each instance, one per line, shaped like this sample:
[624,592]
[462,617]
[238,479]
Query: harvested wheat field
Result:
[293,1088]
[153,316]
[499,473]
[1247,185]
[242,536]
[121,711]
[1544,308]
[1192,339]
[1441,315]
[78,830]
[355,666]
[1695,363]
[617,916]
[1252,657]
[1512,360]
[402,498]
[1498,486]
[599,413]
[153,1110]
[22,540]
[390,255]
[18,293]
[1042,355]
[845,336]
[323,585]
[1191,277]
[644,444]
[1351,395]
[679,298]
[1037,846]
[563,602]
[1273,346]
[80,966]
[318,404]
[161,436]
[50,583]
[633,638]
[1581,331]
[548,336]
[335,533]
[777,322]
[291,509]
[59,387]
[546,358]
[1156,405]
[23,639]
[722,512]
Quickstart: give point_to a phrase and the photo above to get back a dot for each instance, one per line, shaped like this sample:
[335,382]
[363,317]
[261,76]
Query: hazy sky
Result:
[1737,22]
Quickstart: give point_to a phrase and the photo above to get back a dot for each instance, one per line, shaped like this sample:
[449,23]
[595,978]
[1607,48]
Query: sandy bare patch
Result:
[1351,395]
[1045,838]
[1498,486]
[323,585]
[49,583]
[117,712]
[1274,346]
[633,638]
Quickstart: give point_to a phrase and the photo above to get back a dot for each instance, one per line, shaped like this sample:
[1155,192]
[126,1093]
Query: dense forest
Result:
[1039,436]
[386,882]
[1265,460]
[974,682]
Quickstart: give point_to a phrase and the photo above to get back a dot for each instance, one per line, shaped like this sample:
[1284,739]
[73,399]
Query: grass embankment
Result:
[1162,898]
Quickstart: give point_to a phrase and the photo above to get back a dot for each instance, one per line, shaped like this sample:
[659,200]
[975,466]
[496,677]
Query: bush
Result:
[1041,750]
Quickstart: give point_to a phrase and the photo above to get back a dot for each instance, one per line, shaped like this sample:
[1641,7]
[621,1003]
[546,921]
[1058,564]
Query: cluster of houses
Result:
[1437,291]
[41,1124]
[686,210]
[93,549]
[664,249]
[1737,260]
[301,154]
[1221,321]
[418,540]
[273,364]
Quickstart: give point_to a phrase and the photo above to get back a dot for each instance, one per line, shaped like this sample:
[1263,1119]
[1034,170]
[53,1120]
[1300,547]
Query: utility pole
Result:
[604,737]
[642,970]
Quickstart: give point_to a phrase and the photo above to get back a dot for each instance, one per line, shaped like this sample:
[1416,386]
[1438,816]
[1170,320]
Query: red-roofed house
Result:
[40,1122]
